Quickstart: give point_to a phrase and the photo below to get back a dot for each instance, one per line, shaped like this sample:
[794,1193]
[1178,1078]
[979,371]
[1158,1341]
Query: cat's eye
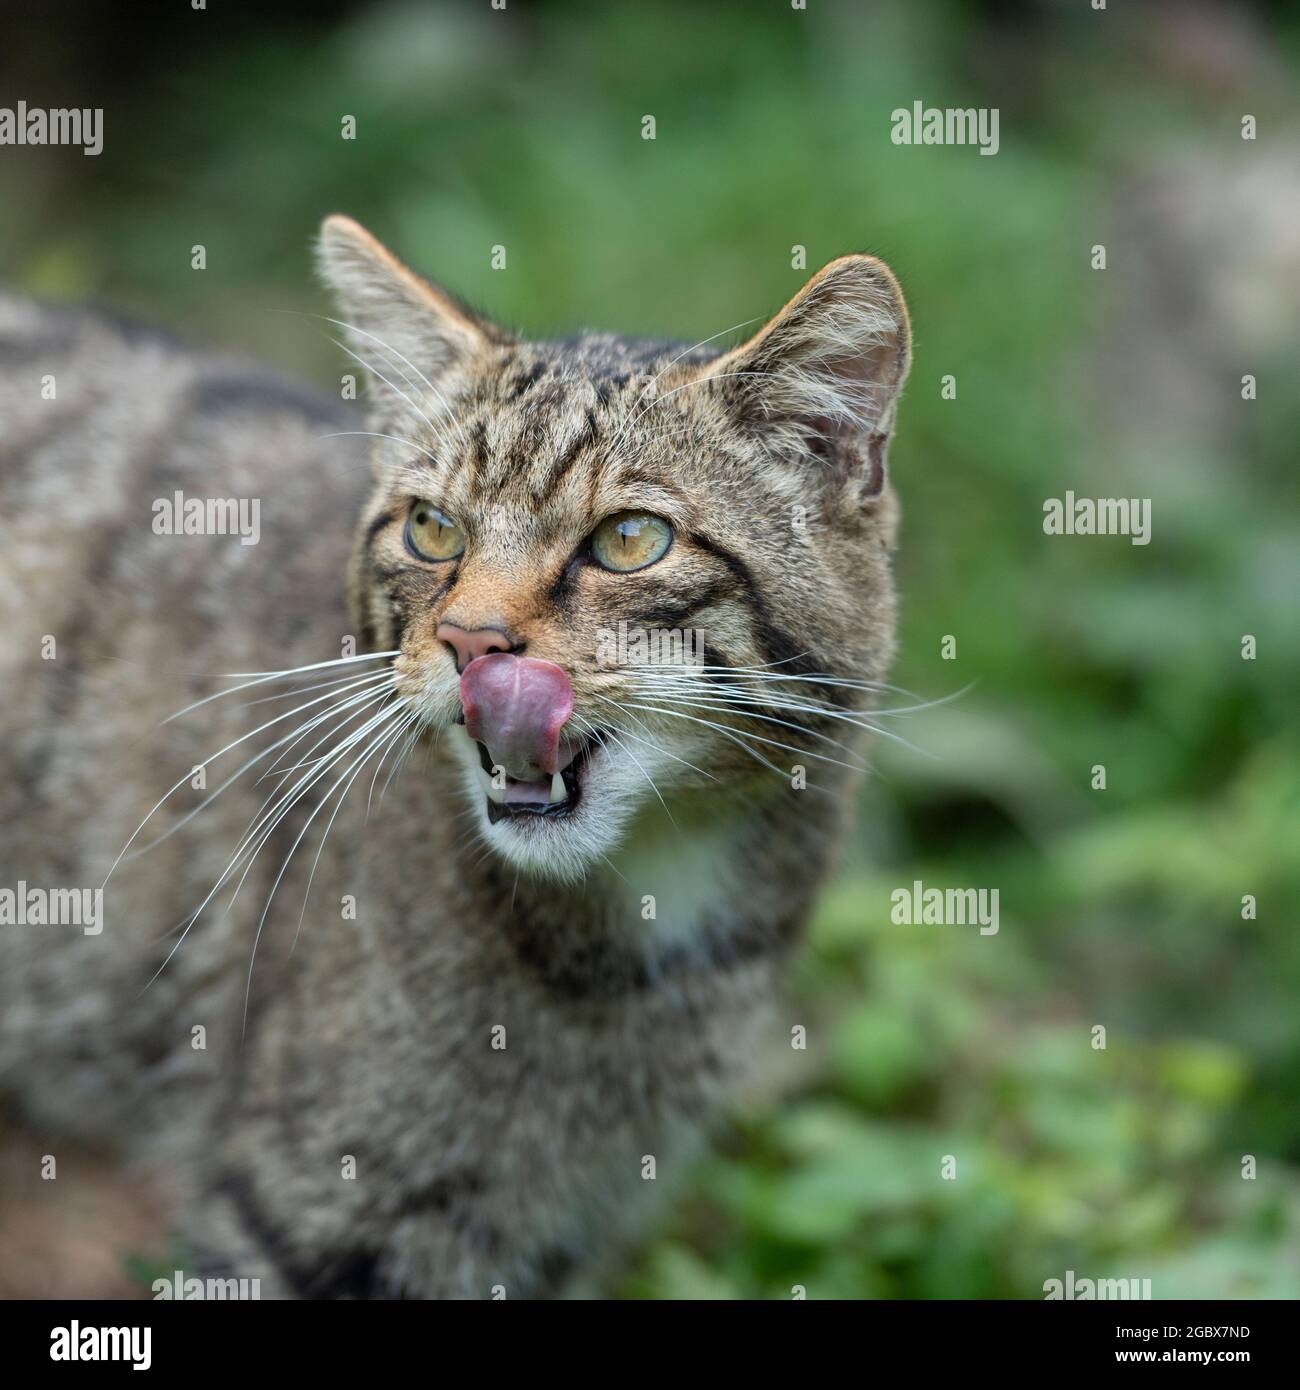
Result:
[431,535]
[630,541]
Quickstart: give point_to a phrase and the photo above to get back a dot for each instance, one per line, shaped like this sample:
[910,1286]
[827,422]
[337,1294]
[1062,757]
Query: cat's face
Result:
[622,576]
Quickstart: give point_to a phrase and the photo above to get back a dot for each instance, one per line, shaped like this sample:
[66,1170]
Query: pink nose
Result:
[516,706]
[467,643]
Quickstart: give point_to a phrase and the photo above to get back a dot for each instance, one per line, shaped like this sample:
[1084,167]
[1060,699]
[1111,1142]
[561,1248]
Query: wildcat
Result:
[453,1051]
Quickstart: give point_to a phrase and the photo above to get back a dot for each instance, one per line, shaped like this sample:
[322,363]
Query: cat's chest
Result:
[671,882]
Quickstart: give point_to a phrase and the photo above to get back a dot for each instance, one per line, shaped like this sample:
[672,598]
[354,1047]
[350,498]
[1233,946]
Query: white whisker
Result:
[751,710]
[402,359]
[243,738]
[650,743]
[584,723]
[403,724]
[736,736]
[303,690]
[417,727]
[290,738]
[685,352]
[376,722]
[265,826]
[375,434]
[384,739]
[396,390]
[265,677]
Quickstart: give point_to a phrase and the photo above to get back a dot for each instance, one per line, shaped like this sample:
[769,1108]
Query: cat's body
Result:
[458,1076]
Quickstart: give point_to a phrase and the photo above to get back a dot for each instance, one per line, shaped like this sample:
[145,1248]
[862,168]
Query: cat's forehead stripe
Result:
[536,421]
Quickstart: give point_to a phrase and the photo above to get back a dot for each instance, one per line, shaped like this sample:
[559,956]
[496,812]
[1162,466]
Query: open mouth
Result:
[556,795]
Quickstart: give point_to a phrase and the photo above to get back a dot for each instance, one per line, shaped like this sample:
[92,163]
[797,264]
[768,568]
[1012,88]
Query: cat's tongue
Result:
[516,706]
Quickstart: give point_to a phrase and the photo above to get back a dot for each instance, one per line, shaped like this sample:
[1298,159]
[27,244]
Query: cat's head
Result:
[623,575]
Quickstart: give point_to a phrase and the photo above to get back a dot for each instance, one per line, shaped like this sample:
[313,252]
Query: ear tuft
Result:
[395,320]
[824,376]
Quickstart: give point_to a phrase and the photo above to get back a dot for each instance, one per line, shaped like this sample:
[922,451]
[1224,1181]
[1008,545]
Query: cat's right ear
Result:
[399,325]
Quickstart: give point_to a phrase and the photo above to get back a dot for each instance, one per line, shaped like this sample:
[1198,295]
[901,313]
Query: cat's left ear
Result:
[824,376]
[401,325]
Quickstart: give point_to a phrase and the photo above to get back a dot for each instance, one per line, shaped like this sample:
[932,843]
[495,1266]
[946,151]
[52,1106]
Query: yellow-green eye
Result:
[431,535]
[631,541]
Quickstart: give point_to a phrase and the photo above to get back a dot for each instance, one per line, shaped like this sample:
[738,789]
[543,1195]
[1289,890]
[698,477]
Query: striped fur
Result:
[444,1074]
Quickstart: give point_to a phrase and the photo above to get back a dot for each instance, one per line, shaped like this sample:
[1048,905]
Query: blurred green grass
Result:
[1119,907]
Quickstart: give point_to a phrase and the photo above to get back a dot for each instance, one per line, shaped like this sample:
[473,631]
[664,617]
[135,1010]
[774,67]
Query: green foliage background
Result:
[1120,907]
